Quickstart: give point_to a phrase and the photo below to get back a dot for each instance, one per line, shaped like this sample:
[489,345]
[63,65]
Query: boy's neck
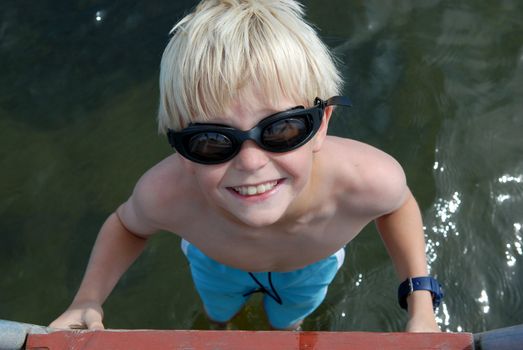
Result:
[307,201]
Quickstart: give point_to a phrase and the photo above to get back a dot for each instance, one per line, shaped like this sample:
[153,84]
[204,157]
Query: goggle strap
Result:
[170,137]
[338,101]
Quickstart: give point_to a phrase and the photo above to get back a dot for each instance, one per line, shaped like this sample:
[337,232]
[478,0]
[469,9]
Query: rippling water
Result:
[437,84]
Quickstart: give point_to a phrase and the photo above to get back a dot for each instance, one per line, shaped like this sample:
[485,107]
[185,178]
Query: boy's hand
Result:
[422,324]
[87,315]
[421,315]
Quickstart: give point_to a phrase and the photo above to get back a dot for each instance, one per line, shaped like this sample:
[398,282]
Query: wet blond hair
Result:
[225,46]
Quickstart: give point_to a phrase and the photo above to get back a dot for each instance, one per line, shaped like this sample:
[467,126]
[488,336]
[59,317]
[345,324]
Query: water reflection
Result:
[99,16]
[445,210]
[508,178]
[514,248]
[483,300]
[443,317]
[359,280]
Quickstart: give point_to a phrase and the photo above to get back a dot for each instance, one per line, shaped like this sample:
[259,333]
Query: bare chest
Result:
[285,248]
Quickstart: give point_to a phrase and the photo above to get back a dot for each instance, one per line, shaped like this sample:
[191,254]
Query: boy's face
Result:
[257,187]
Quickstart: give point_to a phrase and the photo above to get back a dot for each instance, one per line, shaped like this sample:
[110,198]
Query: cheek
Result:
[188,166]
[298,164]
[208,176]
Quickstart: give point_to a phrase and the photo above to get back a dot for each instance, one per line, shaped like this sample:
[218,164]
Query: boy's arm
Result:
[120,241]
[115,250]
[402,233]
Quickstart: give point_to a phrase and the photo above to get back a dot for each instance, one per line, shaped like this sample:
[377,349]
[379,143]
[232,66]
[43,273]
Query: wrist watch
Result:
[413,284]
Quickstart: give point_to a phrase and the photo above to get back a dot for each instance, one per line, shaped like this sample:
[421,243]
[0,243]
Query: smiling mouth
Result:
[253,190]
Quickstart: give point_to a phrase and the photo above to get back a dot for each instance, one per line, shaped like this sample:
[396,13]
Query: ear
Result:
[322,132]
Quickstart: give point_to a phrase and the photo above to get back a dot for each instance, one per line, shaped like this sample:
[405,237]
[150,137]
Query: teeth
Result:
[254,190]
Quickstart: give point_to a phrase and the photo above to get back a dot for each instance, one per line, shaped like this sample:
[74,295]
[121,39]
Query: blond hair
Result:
[225,46]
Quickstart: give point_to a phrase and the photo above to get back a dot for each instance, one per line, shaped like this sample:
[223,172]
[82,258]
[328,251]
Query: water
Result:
[437,84]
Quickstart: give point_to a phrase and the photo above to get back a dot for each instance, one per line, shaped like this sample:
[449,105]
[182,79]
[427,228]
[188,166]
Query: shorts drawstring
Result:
[274,295]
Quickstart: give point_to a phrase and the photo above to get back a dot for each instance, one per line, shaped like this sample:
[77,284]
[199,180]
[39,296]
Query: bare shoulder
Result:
[155,198]
[371,180]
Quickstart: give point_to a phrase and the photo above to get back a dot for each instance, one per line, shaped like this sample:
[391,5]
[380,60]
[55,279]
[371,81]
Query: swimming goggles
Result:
[278,133]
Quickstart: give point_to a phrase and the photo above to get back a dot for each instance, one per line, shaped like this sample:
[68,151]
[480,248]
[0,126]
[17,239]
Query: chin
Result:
[258,223]
[259,220]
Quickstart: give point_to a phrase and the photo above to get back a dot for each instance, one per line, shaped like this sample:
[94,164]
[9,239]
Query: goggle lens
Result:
[210,146]
[285,134]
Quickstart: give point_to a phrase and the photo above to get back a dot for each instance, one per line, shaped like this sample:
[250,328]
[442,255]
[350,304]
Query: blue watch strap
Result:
[420,283]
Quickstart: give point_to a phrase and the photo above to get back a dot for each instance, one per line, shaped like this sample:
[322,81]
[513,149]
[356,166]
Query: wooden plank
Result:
[393,341]
[241,340]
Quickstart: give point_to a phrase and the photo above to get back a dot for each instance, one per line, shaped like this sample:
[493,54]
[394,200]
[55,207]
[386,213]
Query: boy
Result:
[262,198]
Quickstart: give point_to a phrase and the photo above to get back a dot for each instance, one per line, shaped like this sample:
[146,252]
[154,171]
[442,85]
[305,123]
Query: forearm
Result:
[114,251]
[402,234]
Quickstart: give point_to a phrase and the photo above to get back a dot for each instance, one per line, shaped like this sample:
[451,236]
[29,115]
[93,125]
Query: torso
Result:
[334,220]
[270,249]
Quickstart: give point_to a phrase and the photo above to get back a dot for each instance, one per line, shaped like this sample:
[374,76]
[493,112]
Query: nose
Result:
[251,157]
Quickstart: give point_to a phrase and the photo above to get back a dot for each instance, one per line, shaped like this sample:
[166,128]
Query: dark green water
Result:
[437,84]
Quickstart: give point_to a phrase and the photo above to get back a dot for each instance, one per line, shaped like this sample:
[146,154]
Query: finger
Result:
[64,324]
[96,326]
[77,326]
[93,320]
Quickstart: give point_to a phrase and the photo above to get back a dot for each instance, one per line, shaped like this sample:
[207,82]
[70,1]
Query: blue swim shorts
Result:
[289,297]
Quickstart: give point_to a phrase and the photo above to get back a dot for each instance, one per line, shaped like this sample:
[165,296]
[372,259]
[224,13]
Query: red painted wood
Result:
[241,340]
